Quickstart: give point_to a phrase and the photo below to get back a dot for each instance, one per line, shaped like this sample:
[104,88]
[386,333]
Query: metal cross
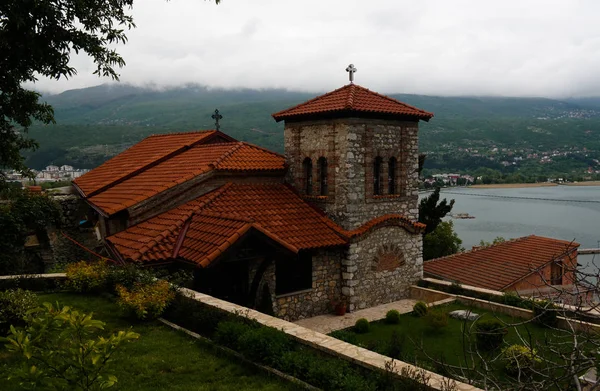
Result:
[216,116]
[351,70]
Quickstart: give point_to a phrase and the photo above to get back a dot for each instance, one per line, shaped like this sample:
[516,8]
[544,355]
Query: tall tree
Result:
[443,241]
[37,37]
[432,210]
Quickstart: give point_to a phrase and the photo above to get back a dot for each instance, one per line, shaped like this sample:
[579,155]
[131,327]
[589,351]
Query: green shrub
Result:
[195,316]
[264,344]
[146,301]
[456,289]
[14,304]
[545,313]
[51,345]
[128,276]
[87,276]
[519,359]
[394,347]
[436,319]
[228,333]
[420,309]
[392,317]
[362,326]
[489,333]
[514,300]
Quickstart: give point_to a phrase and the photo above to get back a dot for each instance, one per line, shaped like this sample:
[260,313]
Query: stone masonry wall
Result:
[351,146]
[381,267]
[326,288]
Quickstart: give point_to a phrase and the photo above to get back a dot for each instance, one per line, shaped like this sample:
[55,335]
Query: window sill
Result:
[318,198]
[378,197]
[293,293]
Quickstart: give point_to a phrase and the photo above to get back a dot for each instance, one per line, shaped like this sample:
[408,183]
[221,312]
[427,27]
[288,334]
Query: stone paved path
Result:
[327,323]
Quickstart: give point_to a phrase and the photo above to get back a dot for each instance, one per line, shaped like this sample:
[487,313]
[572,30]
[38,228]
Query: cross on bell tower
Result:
[351,70]
[216,116]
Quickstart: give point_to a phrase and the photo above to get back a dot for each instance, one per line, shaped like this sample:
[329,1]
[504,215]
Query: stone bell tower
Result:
[354,153]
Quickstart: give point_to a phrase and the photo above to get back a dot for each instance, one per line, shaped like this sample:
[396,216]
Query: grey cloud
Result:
[493,47]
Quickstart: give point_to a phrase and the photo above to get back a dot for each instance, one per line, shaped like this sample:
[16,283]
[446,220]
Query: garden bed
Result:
[162,358]
[415,340]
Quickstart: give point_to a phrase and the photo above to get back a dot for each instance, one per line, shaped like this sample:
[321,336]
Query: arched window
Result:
[322,162]
[307,168]
[392,189]
[377,176]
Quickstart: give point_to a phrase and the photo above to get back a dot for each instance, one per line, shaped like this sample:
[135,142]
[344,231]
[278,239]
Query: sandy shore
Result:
[522,185]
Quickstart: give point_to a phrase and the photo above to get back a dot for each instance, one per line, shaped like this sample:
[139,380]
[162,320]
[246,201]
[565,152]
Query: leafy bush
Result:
[392,317]
[128,276]
[195,316]
[436,319]
[146,301]
[394,348]
[512,299]
[519,359]
[456,289]
[87,276]
[489,333]
[264,344]
[362,326]
[420,309]
[228,333]
[60,350]
[14,304]
[545,313]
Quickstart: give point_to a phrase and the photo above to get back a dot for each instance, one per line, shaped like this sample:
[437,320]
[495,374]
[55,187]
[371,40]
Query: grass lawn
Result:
[162,358]
[447,344]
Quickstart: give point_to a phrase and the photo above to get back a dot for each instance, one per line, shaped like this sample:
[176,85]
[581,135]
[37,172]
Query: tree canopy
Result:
[432,210]
[441,242]
[38,37]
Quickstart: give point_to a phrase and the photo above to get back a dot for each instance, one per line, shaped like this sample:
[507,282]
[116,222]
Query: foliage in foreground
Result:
[60,349]
[14,304]
[146,301]
[443,241]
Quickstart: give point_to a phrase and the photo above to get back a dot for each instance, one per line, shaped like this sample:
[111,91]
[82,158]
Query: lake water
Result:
[546,211]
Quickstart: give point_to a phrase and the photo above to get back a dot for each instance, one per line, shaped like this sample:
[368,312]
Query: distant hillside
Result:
[96,123]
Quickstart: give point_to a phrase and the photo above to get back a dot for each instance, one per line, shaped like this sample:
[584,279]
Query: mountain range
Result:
[95,123]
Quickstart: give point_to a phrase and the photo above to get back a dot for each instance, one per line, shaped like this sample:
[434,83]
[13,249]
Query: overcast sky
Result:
[447,47]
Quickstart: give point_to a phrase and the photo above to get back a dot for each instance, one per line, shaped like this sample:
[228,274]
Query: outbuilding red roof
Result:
[161,162]
[352,99]
[498,266]
[203,229]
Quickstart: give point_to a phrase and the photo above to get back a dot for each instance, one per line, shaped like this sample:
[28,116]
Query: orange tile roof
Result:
[352,99]
[499,266]
[172,169]
[147,152]
[203,229]
[208,225]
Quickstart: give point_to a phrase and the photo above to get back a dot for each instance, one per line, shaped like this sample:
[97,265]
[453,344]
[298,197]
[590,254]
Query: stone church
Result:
[334,220]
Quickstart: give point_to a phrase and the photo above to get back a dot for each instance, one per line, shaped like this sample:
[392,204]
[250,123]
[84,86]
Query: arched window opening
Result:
[307,167]
[392,176]
[323,175]
[377,176]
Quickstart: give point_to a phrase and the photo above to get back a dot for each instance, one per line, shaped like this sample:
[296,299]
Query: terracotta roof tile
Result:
[352,98]
[499,266]
[146,152]
[172,169]
[201,230]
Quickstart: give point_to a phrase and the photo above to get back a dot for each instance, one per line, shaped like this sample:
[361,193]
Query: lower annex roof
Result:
[203,229]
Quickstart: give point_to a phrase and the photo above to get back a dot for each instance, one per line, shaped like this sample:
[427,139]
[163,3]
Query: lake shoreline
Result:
[526,185]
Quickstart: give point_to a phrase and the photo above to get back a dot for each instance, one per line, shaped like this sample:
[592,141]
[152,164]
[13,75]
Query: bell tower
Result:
[354,153]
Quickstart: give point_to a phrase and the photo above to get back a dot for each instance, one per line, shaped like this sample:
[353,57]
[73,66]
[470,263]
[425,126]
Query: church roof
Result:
[203,229]
[498,266]
[161,162]
[352,99]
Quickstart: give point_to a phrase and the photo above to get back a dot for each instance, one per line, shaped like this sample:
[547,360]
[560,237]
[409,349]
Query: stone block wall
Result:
[326,288]
[351,146]
[381,267]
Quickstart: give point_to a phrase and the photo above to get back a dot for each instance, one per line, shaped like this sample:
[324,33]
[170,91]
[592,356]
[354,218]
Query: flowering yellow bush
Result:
[87,276]
[146,301]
